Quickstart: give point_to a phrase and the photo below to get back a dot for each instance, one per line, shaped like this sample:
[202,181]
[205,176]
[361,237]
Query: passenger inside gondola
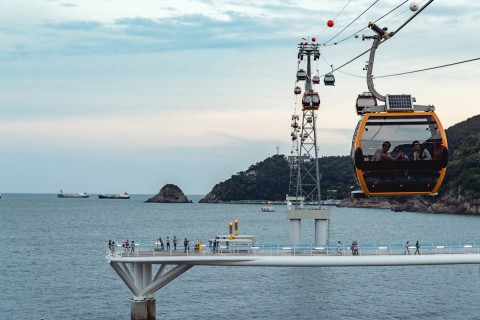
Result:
[382,154]
[400,155]
[418,153]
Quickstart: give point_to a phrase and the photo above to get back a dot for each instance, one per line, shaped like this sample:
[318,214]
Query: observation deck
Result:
[135,266]
[302,255]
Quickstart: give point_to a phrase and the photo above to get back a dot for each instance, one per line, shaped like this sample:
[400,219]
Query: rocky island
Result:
[170,193]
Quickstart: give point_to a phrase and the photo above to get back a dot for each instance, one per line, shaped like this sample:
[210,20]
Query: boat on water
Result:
[268,208]
[73,195]
[123,195]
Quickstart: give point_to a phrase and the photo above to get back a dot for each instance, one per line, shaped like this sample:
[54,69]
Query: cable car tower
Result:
[293,157]
[307,190]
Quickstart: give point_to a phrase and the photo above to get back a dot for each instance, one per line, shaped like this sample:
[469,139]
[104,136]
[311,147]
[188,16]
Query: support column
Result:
[143,309]
[295,230]
[142,306]
[321,231]
[138,279]
[143,286]
[147,278]
[321,217]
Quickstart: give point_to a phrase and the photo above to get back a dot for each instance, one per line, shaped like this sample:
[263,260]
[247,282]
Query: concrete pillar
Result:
[147,277]
[138,278]
[321,231]
[295,230]
[143,309]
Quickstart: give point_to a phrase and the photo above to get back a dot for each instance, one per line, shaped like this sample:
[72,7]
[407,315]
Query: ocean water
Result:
[53,263]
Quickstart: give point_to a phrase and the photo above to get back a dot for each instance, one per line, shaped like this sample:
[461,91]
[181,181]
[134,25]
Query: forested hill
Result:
[463,172]
[266,180]
[269,179]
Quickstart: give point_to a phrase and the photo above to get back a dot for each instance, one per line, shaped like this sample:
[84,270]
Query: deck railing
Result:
[150,248]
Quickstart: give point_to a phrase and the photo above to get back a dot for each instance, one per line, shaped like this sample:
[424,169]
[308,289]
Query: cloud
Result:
[153,84]
[75,26]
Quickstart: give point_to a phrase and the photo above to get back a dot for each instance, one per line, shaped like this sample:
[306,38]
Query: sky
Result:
[123,95]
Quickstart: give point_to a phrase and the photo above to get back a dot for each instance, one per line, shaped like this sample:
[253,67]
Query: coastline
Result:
[459,205]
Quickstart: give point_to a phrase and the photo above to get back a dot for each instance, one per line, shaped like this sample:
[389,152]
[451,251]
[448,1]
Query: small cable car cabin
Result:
[301,75]
[316,79]
[400,152]
[297,90]
[365,100]
[311,100]
[329,79]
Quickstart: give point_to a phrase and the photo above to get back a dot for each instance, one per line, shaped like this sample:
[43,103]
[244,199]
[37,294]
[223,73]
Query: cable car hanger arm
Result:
[380,37]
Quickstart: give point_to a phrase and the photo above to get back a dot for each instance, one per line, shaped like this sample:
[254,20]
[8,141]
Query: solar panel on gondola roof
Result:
[399,102]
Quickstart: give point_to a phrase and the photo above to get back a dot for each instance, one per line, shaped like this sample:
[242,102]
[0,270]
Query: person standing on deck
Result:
[161,244]
[417,248]
[174,242]
[406,248]
[339,249]
[168,243]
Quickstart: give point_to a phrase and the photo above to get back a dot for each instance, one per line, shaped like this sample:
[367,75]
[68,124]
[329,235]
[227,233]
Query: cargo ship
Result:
[72,195]
[123,195]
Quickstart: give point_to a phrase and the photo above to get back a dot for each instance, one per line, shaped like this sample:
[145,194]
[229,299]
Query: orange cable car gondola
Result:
[398,149]
[400,152]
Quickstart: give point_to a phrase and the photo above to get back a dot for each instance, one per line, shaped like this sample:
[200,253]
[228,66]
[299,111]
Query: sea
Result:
[53,263]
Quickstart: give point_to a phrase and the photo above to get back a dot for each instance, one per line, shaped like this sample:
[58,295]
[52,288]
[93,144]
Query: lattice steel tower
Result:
[308,182]
[293,157]
[307,190]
